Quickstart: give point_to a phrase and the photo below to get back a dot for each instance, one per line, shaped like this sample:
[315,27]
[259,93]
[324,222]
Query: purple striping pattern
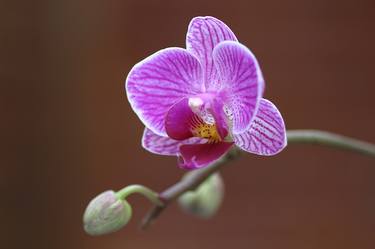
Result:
[215,79]
[165,145]
[266,135]
[239,82]
[159,81]
[203,34]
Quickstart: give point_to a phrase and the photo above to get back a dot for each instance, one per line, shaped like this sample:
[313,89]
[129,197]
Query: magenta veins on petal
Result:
[199,101]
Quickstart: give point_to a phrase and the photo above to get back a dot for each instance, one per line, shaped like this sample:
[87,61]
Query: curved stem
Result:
[140,189]
[330,139]
[190,182]
[294,137]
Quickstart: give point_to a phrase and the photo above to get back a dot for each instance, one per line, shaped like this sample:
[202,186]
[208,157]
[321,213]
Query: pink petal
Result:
[164,145]
[195,156]
[178,120]
[267,134]
[156,83]
[241,82]
[203,34]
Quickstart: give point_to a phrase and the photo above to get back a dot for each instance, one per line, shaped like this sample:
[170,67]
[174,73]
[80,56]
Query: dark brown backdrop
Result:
[68,132]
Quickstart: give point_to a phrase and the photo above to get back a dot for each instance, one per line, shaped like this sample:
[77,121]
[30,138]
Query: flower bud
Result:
[106,213]
[206,199]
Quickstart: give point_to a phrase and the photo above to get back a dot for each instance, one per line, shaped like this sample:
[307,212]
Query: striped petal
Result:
[159,81]
[241,82]
[203,34]
[267,134]
[164,145]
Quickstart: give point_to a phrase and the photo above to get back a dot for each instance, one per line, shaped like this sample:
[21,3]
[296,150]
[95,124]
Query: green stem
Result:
[148,193]
[294,137]
[330,139]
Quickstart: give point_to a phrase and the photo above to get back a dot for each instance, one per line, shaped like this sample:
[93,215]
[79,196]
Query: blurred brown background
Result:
[68,132]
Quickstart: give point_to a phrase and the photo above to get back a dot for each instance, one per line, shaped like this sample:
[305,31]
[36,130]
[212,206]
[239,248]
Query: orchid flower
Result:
[196,103]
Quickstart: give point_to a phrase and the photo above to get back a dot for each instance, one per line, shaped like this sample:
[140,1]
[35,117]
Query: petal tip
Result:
[144,89]
[239,68]
[267,133]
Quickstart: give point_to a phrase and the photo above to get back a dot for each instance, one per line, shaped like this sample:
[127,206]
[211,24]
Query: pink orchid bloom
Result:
[198,102]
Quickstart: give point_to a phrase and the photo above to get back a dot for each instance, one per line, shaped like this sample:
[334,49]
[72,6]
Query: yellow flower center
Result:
[204,130]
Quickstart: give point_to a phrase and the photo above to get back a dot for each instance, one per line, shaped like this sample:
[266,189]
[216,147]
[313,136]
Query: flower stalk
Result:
[294,137]
[140,189]
[188,183]
[110,211]
[330,139]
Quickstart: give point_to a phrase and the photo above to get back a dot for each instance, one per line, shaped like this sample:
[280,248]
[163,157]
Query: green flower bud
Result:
[106,213]
[206,199]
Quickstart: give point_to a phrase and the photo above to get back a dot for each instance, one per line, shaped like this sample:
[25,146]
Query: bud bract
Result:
[206,199]
[106,213]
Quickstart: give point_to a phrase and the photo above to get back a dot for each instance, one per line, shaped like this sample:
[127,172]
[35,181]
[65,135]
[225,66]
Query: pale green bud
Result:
[206,199]
[106,213]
